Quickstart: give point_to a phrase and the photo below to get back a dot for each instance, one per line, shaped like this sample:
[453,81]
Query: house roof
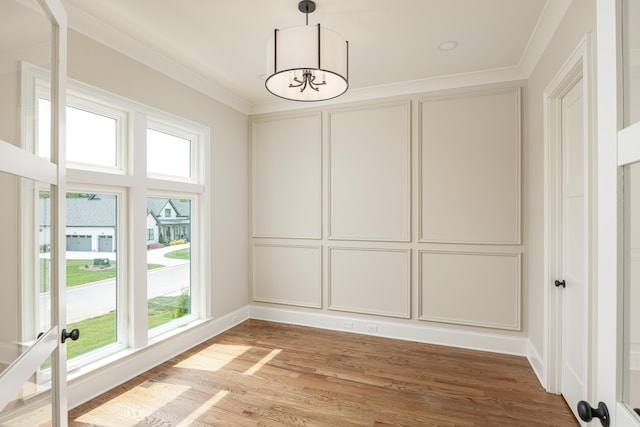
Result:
[156,206]
[92,211]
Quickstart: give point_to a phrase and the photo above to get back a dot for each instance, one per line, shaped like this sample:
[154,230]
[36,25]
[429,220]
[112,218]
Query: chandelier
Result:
[309,63]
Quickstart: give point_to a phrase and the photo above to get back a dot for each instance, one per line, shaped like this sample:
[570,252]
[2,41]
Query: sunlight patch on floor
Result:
[202,409]
[134,405]
[262,362]
[213,358]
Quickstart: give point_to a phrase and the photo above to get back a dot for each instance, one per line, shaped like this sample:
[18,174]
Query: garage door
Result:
[105,243]
[79,243]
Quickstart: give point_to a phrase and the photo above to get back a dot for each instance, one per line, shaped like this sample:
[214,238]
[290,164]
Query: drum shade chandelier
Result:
[308,63]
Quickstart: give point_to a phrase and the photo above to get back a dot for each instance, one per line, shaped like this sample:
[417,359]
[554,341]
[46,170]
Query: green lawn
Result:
[100,331]
[78,274]
[179,254]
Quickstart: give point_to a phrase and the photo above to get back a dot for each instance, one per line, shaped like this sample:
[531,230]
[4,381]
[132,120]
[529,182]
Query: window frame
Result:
[131,181]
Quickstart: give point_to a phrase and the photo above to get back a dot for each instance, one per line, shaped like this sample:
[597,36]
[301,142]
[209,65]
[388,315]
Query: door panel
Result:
[32,62]
[574,294]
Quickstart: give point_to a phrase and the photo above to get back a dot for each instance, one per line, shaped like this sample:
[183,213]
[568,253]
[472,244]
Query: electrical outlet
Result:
[372,328]
[347,325]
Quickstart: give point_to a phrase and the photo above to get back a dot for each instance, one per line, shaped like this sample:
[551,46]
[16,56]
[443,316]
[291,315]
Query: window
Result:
[94,134]
[102,262]
[169,152]
[92,272]
[169,287]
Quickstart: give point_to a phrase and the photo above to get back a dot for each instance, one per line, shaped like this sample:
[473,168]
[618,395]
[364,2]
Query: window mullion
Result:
[137,283]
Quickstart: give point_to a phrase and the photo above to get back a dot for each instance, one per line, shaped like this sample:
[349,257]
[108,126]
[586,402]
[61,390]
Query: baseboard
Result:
[428,334]
[537,363]
[84,386]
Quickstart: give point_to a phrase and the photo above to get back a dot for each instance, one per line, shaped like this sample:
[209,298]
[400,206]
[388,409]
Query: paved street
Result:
[98,298]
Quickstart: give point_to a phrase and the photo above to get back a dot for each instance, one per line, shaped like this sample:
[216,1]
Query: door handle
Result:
[559,283]
[74,335]
[587,413]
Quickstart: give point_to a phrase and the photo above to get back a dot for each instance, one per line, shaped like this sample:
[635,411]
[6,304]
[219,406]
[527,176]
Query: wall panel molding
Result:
[369,192]
[470,168]
[370,280]
[287,176]
[470,288]
[288,274]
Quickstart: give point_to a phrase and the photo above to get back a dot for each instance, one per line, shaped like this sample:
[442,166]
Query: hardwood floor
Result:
[269,374]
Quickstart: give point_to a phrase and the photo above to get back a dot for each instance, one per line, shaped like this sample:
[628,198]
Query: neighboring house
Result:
[167,220]
[91,223]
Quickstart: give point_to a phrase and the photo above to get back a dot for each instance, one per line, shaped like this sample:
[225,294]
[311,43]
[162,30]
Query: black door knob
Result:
[560,283]
[74,335]
[587,413]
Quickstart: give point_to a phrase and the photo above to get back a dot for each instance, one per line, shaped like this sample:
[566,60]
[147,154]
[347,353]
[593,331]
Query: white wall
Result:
[404,210]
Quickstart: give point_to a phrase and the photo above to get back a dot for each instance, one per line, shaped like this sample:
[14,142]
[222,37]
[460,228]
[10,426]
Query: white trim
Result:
[483,341]
[25,365]
[19,162]
[548,23]
[628,147]
[536,361]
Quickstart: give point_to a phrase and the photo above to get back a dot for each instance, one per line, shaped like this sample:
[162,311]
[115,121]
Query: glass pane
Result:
[168,259]
[91,138]
[21,411]
[168,154]
[91,271]
[632,285]
[25,306]
[25,43]
[631,60]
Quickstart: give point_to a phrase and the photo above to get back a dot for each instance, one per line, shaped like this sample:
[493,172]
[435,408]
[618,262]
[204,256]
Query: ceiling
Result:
[219,46]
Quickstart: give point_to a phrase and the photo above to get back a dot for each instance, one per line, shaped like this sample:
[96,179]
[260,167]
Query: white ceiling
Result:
[219,46]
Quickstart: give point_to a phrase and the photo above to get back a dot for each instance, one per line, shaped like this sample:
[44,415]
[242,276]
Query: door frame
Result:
[578,66]
[18,161]
[611,154]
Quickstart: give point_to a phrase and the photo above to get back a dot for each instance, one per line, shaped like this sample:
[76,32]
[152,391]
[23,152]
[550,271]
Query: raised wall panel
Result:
[288,275]
[287,177]
[372,281]
[479,289]
[470,168]
[370,173]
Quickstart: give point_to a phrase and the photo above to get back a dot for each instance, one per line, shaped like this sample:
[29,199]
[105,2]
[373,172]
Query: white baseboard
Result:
[537,363]
[426,334]
[85,386]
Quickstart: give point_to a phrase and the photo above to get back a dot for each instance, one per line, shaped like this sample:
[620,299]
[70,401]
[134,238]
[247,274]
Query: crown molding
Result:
[421,86]
[91,27]
[548,23]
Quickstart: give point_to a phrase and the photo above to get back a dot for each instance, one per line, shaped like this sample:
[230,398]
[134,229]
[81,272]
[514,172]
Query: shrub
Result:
[183,304]
[155,246]
[177,242]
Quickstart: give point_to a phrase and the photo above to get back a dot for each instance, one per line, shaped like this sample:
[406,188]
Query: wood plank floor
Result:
[269,374]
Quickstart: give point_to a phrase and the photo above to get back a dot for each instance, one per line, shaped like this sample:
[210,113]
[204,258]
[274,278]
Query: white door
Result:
[572,284]
[32,359]
[618,306]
